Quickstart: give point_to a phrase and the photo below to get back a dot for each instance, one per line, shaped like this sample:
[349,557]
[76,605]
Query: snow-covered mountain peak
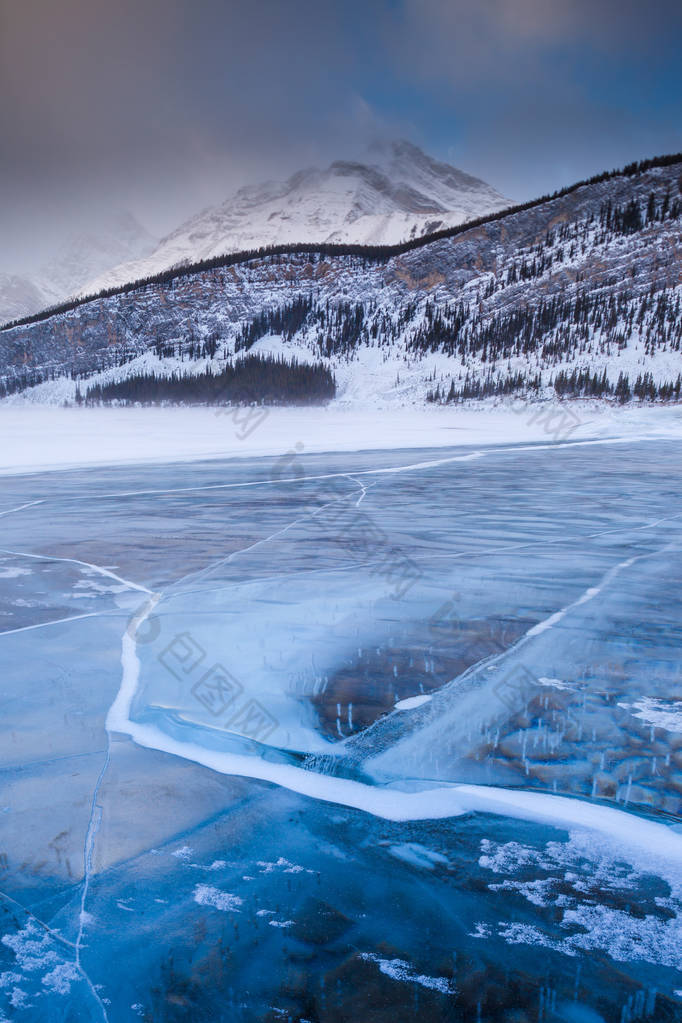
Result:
[392,193]
[401,158]
[397,193]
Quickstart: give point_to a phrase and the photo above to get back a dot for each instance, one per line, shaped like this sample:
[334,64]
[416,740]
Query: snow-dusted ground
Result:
[36,438]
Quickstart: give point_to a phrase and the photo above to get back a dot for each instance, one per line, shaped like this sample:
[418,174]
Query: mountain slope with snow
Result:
[116,238]
[20,296]
[400,193]
[577,295]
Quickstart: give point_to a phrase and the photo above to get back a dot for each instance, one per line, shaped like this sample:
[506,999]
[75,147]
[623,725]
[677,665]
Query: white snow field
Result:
[39,438]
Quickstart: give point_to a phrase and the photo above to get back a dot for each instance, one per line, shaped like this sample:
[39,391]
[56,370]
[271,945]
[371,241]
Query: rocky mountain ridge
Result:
[585,286]
[399,192]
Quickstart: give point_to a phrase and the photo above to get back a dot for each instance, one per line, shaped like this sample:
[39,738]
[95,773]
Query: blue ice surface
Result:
[278,610]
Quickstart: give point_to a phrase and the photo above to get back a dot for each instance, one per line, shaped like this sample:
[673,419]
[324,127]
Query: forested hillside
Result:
[577,295]
[254,380]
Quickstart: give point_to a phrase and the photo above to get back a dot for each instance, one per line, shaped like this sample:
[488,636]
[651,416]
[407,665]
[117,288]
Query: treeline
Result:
[339,327]
[571,239]
[370,253]
[583,384]
[486,387]
[21,379]
[579,383]
[254,379]
[555,328]
[632,217]
[285,320]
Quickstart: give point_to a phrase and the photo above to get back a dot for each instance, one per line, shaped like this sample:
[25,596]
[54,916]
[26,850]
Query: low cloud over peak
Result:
[169,106]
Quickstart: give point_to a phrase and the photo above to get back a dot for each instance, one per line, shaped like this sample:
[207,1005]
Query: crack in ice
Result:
[202,573]
[649,839]
[54,621]
[364,489]
[10,511]
[107,573]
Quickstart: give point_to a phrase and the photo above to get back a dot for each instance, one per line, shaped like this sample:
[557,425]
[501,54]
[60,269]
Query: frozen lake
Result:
[374,736]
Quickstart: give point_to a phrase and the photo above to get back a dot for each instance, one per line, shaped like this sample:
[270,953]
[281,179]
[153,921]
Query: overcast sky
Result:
[164,106]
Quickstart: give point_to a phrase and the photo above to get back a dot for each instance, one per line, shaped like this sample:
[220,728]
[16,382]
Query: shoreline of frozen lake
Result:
[43,438]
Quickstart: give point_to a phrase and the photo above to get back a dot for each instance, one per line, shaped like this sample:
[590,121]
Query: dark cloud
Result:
[540,93]
[495,39]
[166,105]
[82,79]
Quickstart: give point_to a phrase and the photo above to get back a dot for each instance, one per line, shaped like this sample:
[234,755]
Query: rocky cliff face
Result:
[575,282]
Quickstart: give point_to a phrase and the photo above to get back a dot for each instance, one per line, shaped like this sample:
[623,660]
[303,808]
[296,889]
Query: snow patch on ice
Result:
[411,702]
[582,873]
[527,934]
[18,999]
[205,895]
[418,855]
[216,865]
[398,969]
[556,683]
[31,947]
[34,953]
[183,853]
[283,864]
[61,978]
[666,714]
[621,936]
